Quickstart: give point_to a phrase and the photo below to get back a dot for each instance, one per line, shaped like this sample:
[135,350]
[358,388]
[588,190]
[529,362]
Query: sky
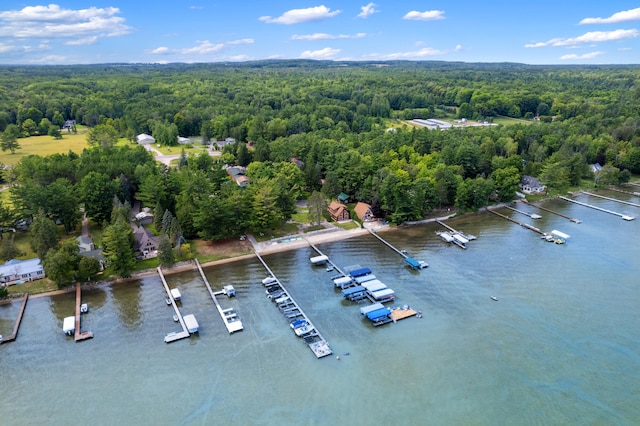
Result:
[163,31]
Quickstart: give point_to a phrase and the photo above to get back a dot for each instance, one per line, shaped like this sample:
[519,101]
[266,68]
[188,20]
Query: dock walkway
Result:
[316,343]
[16,326]
[525,225]
[572,219]
[78,336]
[623,216]
[229,318]
[335,267]
[636,194]
[629,203]
[414,264]
[173,336]
[531,215]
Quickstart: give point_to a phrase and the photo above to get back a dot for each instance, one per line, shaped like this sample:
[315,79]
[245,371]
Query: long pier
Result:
[636,194]
[572,219]
[612,199]
[319,345]
[173,336]
[78,336]
[533,228]
[229,318]
[16,326]
[623,216]
[414,264]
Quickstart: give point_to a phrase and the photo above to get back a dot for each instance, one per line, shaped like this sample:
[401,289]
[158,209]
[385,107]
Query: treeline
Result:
[303,126]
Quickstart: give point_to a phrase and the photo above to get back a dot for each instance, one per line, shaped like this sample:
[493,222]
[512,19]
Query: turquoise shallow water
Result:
[561,346]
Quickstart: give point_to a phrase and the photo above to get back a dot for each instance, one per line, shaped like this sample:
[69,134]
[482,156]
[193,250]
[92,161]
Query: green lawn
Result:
[46,145]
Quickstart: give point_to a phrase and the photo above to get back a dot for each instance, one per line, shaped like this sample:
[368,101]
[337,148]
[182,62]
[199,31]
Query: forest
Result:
[308,127]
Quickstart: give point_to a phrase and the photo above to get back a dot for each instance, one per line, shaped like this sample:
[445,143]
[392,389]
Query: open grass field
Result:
[46,145]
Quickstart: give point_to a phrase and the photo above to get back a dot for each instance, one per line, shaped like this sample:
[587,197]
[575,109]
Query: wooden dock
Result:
[466,236]
[532,228]
[16,325]
[78,336]
[612,199]
[398,314]
[531,215]
[229,317]
[414,264]
[173,336]
[316,343]
[636,194]
[623,216]
[574,220]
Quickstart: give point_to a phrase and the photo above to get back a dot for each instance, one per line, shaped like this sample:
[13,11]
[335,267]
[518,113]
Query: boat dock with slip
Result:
[532,228]
[572,219]
[467,237]
[231,322]
[16,326]
[623,216]
[412,263]
[531,215]
[173,336]
[636,194]
[292,311]
[78,335]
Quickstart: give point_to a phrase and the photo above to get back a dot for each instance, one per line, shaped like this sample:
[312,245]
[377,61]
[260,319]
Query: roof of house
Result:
[143,137]
[15,266]
[334,205]
[361,209]
[343,197]
[143,236]
[531,181]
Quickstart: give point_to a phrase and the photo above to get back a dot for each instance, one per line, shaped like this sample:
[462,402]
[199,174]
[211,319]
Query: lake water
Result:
[561,346]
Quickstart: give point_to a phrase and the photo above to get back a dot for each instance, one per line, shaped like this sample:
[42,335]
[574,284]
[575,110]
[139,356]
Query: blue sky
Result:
[161,31]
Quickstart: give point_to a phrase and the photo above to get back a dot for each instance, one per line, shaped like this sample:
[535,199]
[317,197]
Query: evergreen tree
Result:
[166,257]
[118,241]
[43,234]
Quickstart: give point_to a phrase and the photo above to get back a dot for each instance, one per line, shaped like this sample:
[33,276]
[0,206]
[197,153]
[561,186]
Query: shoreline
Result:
[263,248]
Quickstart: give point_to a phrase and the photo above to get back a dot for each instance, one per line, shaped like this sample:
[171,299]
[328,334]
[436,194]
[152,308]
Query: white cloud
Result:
[196,7]
[52,21]
[82,41]
[422,53]
[589,55]
[202,47]
[296,16]
[368,10]
[325,53]
[323,36]
[458,48]
[50,59]
[239,58]
[429,15]
[624,16]
[590,37]
[161,50]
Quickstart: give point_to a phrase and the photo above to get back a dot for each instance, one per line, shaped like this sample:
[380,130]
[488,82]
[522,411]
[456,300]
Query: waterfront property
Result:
[17,271]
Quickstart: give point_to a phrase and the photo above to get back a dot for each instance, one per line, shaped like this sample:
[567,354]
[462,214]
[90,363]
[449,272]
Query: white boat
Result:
[495,299]
[191,323]
[69,325]
[269,280]
[175,317]
[84,308]
[168,301]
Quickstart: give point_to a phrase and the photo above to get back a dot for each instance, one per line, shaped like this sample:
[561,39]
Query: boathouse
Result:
[363,211]
[338,212]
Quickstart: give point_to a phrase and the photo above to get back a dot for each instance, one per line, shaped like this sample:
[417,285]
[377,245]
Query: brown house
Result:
[363,211]
[338,211]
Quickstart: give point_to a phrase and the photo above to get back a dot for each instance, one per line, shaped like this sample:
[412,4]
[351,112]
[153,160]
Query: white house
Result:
[21,270]
[145,139]
[531,185]
[183,141]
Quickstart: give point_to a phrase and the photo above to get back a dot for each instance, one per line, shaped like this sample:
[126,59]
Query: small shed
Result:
[343,198]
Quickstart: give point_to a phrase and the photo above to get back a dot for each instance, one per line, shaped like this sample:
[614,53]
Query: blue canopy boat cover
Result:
[353,290]
[378,313]
[360,272]
[366,309]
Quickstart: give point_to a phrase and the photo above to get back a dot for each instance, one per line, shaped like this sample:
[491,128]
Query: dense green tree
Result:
[103,136]
[8,249]
[506,182]
[61,265]
[88,268]
[117,242]
[317,203]
[43,235]
[166,256]
[96,192]
[9,138]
